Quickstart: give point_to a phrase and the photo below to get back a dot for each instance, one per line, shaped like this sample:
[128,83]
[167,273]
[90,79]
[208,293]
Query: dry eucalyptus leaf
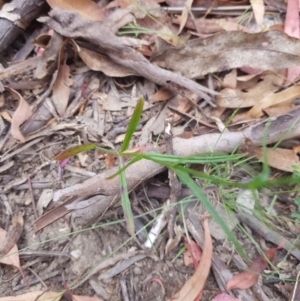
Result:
[61,88]
[22,113]
[99,62]
[33,296]
[286,97]
[280,158]
[88,9]
[236,98]
[269,50]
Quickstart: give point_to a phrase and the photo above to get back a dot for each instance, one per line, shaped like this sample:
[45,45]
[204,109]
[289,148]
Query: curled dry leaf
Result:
[22,113]
[87,9]
[35,296]
[157,280]
[246,279]
[193,287]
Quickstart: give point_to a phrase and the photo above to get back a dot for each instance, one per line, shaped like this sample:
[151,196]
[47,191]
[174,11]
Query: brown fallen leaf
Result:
[87,9]
[35,296]
[13,234]
[22,113]
[271,50]
[162,94]
[275,111]
[100,62]
[285,97]
[9,254]
[246,279]
[236,98]
[230,80]
[185,13]
[280,158]
[195,284]
[63,81]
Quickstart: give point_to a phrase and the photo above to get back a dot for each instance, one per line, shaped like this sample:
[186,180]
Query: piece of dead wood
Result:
[13,234]
[174,183]
[274,129]
[70,24]
[268,234]
[26,12]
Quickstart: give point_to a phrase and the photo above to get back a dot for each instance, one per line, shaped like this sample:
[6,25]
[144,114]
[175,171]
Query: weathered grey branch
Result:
[28,10]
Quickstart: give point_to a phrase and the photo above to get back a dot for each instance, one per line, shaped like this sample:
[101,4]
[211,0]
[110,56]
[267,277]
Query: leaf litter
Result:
[203,64]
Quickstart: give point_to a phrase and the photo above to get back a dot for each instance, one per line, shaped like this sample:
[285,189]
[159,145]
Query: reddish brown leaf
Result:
[193,253]
[246,279]
[193,287]
[157,280]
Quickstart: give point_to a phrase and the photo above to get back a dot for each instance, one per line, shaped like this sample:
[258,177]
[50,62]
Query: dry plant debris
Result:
[221,79]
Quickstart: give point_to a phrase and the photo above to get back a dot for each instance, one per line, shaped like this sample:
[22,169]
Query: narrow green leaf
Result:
[187,180]
[196,159]
[73,151]
[126,205]
[136,116]
[132,161]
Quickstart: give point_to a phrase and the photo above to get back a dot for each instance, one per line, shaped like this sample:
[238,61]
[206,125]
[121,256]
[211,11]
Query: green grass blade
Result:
[136,116]
[122,169]
[126,205]
[188,181]
[195,159]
